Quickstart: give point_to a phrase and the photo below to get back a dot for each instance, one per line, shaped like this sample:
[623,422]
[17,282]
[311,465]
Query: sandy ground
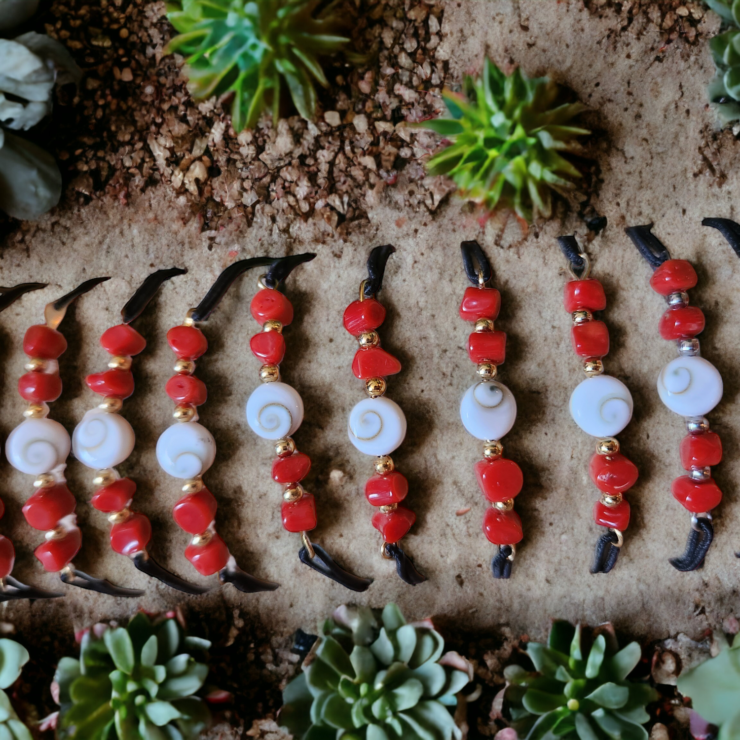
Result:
[660,160]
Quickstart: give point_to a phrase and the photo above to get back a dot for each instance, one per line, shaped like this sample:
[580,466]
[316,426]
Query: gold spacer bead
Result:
[119,362]
[384,464]
[104,477]
[368,339]
[193,485]
[269,373]
[202,539]
[118,517]
[284,447]
[607,446]
[611,500]
[482,325]
[272,325]
[35,411]
[189,321]
[375,387]
[111,404]
[35,365]
[184,367]
[506,505]
[55,534]
[582,316]
[592,367]
[487,370]
[293,493]
[184,413]
[389,507]
[45,480]
[493,449]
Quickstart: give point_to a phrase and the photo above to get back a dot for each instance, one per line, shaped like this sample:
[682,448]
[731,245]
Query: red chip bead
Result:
[673,276]
[299,516]
[502,527]
[590,339]
[271,305]
[115,496]
[45,508]
[44,342]
[131,536]
[268,346]
[209,558]
[7,557]
[500,479]
[361,316]
[195,512]
[696,496]
[291,469]
[122,340]
[613,517]
[682,322]
[584,295]
[187,389]
[701,450]
[395,524]
[55,554]
[487,346]
[2,512]
[480,303]
[115,383]
[187,342]
[40,387]
[612,473]
[384,490]
[374,362]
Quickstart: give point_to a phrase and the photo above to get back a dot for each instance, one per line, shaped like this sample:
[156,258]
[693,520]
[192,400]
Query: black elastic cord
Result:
[501,563]
[147,290]
[245,582]
[146,564]
[728,228]
[697,546]
[283,266]
[323,563]
[649,246]
[63,302]
[11,295]
[572,251]
[376,263]
[99,585]
[476,264]
[405,567]
[606,554]
[13,590]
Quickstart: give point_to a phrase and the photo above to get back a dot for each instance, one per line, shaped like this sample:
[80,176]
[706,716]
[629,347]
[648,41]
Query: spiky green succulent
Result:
[134,683]
[714,690]
[724,89]
[256,49]
[579,689]
[508,135]
[372,676]
[12,659]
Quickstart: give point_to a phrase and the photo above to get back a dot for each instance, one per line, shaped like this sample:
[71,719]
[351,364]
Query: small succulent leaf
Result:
[584,728]
[118,680]
[436,717]
[610,696]
[321,733]
[381,708]
[184,685]
[149,651]
[19,730]
[168,639]
[363,663]
[638,715]
[576,651]
[161,712]
[127,726]
[6,708]
[406,695]
[140,629]
[159,673]
[321,677]
[545,660]
[539,702]
[732,82]
[456,681]
[566,723]
[85,688]
[376,732]
[576,688]
[516,675]
[393,723]
[192,643]
[334,655]
[617,728]
[429,647]
[619,666]
[718,46]
[713,687]
[392,618]
[541,728]
[178,665]
[121,649]
[442,126]
[317,707]
[405,639]
[337,713]
[13,656]
[348,689]
[561,636]
[722,8]
[151,686]
[383,648]
[562,674]
[433,677]
[88,718]
[68,669]
[596,657]
[359,718]
[735,9]
[297,700]
[5,733]
[149,731]
[418,730]
[730,730]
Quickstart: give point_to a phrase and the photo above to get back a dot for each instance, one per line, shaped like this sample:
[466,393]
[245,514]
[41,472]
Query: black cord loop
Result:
[607,553]
[649,246]
[283,266]
[60,304]
[11,295]
[728,228]
[74,577]
[376,263]
[324,564]
[697,546]
[147,290]
[146,564]
[572,251]
[476,264]
[405,567]
[13,590]
[502,562]
[245,582]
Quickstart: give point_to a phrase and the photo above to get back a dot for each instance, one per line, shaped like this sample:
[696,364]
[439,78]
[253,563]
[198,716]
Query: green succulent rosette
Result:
[372,676]
[13,657]
[724,90]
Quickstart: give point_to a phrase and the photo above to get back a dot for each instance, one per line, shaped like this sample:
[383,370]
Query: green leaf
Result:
[541,728]
[168,639]
[433,677]
[576,652]
[149,651]
[184,685]
[363,663]
[140,629]
[383,648]
[732,82]
[67,671]
[713,687]
[13,656]
[321,677]
[337,713]
[376,732]
[584,729]
[443,126]
[406,695]
[178,665]
[610,696]
[429,647]
[561,636]
[121,649]
[545,660]
[334,655]
[620,665]
[722,8]
[617,728]
[730,730]
[192,643]
[538,702]
[19,730]
[596,657]
[392,618]
[6,709]
[161,712]
[405,639]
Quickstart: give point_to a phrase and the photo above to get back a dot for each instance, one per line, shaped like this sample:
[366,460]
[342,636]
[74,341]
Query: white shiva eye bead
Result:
[377,426]
[488,410]
[37,446]
[274,410]
[102,440]
[601,406]
[186,450]
[690,386]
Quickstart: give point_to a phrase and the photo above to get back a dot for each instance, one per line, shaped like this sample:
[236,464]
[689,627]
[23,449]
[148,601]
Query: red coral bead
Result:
[585,295]
[132,536]
[44,342]
[45,508]
[268,346]
[187,389]
[696,496]
[291,469]
[701,450]
[682,322]
[209,558]
[362,316]
[502,527]
[673,276]
[40,387]
[195,512]
[7,557]
[271,305]
[384,490]
[500,479]
[187,342]
[374,362]
[299,516]
[613,517]
[115,383]
[590,339]
[487,346]
[612,473]
[115,496]
[122,340]
[480,303]
[2,511]
[395,524]
[55,554]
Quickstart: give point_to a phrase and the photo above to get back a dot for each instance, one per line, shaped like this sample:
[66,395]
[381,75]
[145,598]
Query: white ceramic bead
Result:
[601,406]
[488,410]
[377,426]
[690,386]
[37,446]
[102,440]
[186,450]
[274,410]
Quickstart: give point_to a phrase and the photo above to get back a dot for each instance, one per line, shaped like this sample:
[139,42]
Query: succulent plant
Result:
[579,691]
[372,676]
[507,137]
[724,89]
[256,49]
[12,659]
[134,683]
[714,690]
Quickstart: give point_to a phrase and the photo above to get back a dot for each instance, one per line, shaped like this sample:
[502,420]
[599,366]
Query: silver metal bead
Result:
[689,347]
[680,298]
[700,473]
[696,424]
